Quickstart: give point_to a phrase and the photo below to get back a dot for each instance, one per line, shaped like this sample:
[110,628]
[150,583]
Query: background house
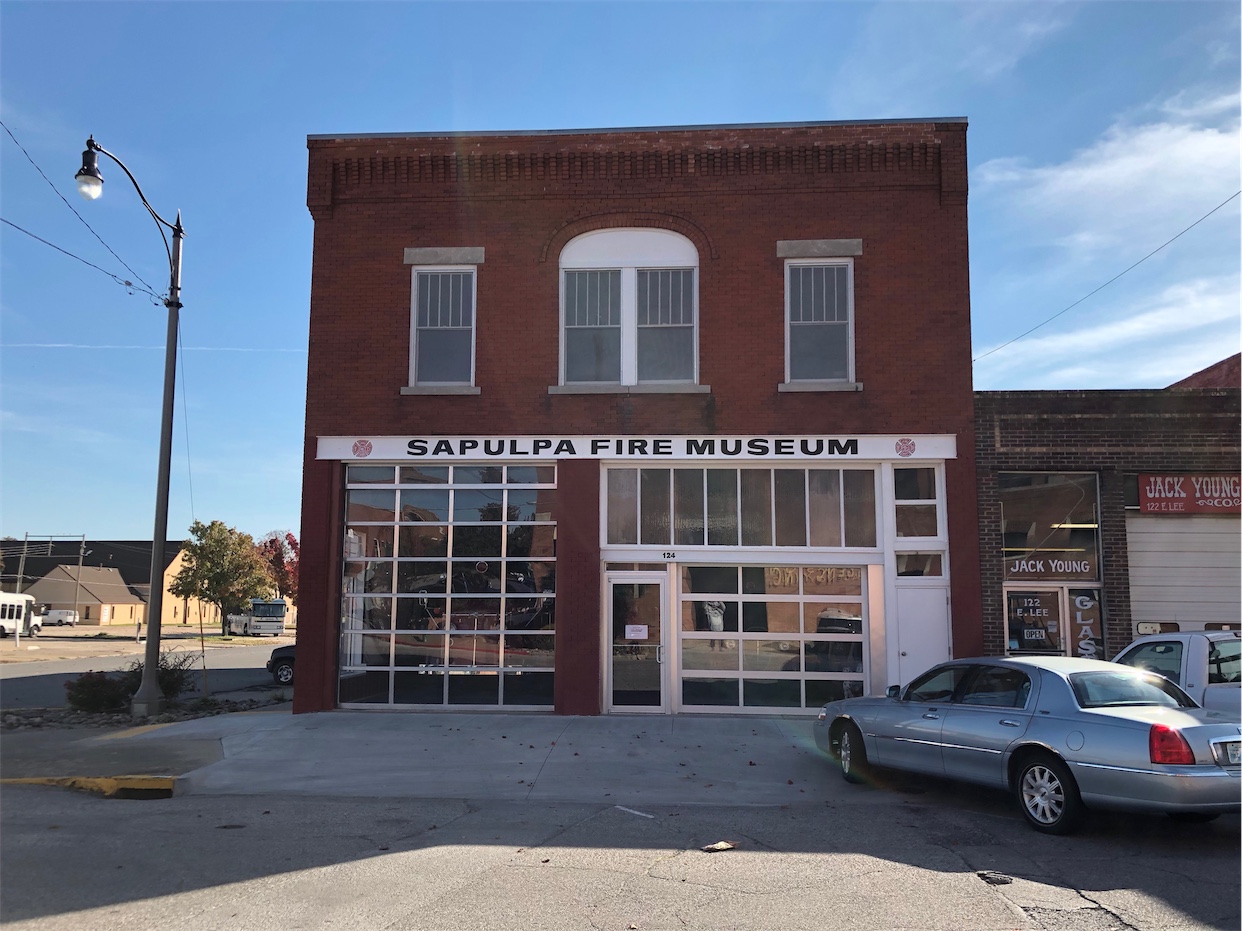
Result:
[100,595]
[26,564]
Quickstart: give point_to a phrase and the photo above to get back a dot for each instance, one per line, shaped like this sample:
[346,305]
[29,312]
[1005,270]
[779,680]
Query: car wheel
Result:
[1194,817]
[282,672]
[34,631]
[1048,795]
[852,754]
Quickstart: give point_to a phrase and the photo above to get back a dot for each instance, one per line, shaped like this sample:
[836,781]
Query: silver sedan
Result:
[1062,734]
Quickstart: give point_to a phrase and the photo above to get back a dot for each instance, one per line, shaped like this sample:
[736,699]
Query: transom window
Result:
[629,308]
[916,502]
[442,327]
[741,507]
[819,320]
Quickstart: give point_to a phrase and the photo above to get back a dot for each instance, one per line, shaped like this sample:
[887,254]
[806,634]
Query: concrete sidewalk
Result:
[627,759]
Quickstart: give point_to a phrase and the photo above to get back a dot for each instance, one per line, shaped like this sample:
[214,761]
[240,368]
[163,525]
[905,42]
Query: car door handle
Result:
[1008,723]
[932,716]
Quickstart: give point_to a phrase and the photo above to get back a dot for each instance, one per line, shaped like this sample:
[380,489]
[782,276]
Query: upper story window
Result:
[629,309]
[442,351]
[442,319]
[819,320]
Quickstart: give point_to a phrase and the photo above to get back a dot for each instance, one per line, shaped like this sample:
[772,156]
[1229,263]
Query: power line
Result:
[69,205]
[262,349]
[1110,280]
[128,285]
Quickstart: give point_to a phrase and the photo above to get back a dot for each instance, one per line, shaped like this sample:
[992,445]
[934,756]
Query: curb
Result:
[131,787]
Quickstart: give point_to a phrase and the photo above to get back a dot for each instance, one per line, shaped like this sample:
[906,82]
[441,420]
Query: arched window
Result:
[629,308]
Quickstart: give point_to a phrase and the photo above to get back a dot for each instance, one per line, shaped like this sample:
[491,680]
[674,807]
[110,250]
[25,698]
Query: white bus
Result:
[17,615]
[264,616]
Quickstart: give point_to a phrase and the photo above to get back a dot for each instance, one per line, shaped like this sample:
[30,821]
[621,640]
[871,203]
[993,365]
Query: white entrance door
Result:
[922,630]
[637,642]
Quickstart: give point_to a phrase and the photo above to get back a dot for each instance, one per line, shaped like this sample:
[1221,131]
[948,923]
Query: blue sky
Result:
[1098,131]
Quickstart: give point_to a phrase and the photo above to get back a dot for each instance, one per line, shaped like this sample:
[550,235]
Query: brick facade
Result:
[898,187]
[1110,433]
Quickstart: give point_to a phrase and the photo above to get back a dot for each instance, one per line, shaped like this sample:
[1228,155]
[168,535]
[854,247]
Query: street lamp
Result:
[149,699]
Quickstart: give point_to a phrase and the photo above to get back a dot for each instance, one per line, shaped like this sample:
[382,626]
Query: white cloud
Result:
[929,51]
[84,440]
[1198,105]
[1186,327]
[1137,184]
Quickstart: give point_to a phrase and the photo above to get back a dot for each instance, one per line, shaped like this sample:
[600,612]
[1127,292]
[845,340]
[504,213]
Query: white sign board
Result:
[635,631]
[634,448]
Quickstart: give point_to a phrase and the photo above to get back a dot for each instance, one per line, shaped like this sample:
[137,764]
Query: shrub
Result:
[174,674]
[101,691]
[96,691]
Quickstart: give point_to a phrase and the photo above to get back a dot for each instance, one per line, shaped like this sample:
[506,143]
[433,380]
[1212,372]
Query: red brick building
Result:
[673,419]
[1106,515]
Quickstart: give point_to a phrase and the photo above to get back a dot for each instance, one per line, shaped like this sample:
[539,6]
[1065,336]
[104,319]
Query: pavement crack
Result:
[544,762]
[1104,908]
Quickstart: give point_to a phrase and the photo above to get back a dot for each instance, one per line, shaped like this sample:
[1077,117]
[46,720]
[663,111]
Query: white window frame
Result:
[416,385]
[847,383]
[628,250]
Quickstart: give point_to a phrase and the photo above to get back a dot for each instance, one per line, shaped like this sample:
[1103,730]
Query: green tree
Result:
[222,567]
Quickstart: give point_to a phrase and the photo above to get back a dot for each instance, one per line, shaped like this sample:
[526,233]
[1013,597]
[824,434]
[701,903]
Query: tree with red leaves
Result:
[282,554]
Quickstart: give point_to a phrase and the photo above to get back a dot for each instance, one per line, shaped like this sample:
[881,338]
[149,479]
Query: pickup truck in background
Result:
[1207,664]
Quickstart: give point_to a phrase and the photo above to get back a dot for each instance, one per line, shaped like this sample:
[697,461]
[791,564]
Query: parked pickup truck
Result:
[1207,664]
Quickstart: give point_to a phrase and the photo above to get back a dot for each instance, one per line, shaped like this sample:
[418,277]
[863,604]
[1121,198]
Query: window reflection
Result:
[470,563]
[1049,526]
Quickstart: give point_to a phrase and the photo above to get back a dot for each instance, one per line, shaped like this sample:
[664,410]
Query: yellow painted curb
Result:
[132,731]
[107,786]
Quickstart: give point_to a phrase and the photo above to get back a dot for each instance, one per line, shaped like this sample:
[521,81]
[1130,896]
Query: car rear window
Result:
[1225,661]
[1127,688]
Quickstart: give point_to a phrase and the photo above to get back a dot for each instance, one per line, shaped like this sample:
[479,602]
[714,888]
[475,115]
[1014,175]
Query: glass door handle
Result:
[660,653]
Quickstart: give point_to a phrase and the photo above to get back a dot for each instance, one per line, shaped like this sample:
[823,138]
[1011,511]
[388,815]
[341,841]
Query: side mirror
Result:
[894,691]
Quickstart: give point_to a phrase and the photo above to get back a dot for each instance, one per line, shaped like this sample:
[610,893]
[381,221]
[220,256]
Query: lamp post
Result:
[149,699]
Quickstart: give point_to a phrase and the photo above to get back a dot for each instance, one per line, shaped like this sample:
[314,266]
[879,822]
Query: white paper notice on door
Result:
[635,631]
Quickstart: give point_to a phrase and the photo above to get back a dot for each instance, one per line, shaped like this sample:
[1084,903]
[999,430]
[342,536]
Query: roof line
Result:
[456,134]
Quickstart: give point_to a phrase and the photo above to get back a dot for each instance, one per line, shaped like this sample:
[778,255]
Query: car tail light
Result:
[1167,745]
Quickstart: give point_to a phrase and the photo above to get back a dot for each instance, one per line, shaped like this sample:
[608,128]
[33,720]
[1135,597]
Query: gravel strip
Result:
[35,718]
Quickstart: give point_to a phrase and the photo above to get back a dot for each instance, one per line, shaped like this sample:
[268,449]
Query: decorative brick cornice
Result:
[623,219]
[492,167]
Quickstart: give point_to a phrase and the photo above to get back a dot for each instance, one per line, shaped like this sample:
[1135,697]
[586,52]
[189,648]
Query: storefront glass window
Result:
[859,488]
[1049,526]
[756,507]
[721,507]
[415,475]
[458,581]
[688,524]
[824,505]
[790,488]
[793,645]
[655,504]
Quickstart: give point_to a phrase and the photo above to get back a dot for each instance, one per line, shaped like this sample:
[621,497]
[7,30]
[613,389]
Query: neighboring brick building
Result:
[649,419]
[1107,508]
